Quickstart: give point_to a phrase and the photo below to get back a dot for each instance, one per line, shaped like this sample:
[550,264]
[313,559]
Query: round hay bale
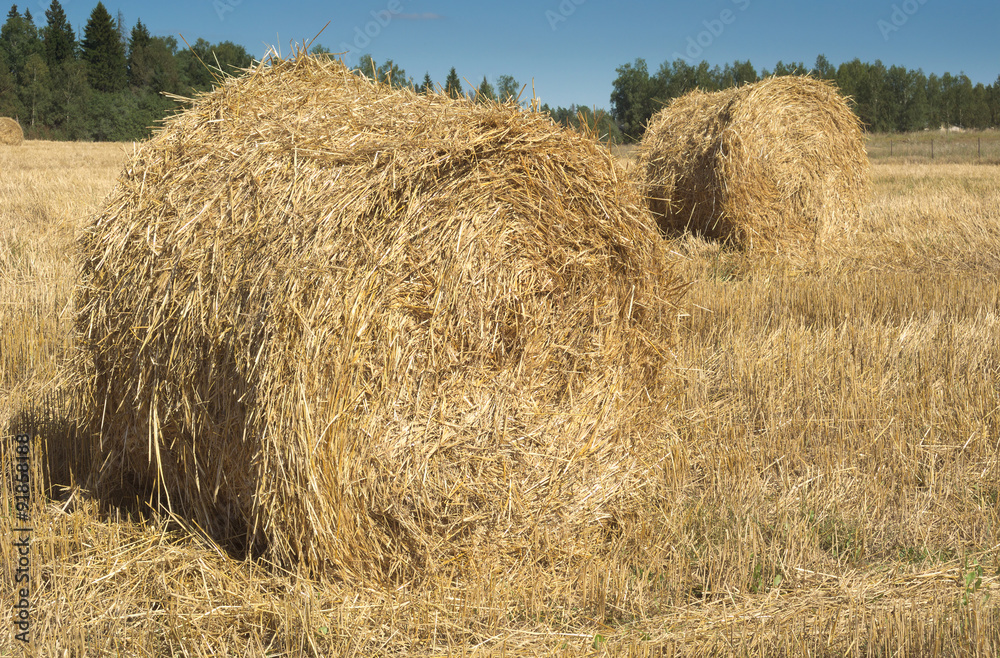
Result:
[10,132]
[765,163]
[375,332]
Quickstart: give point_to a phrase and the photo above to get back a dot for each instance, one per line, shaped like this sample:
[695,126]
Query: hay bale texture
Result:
[766,163]
[376,332]
[10,132]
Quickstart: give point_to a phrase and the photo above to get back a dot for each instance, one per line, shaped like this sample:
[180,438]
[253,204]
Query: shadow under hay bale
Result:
[10,132]
[386,335]
[62,459]
[765,164]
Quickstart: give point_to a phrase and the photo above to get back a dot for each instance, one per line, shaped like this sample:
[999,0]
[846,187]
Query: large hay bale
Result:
[10,132]
[377,332]
[764,163]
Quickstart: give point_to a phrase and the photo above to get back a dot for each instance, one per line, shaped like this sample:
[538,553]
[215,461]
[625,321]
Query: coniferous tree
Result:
[485,92]
[452,85]
[427,86]
[57,36]
[18,41]
[103,52]
[140,72]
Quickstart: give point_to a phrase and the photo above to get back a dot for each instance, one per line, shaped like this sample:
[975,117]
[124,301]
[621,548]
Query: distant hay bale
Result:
[10,132]
[760,164]
[375,332]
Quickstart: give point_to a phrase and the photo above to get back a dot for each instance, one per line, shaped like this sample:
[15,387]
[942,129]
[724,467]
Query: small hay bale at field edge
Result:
[377,333]
[766,163]
[10,132]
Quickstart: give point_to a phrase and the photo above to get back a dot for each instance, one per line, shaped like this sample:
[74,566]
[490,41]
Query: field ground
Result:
[833,471]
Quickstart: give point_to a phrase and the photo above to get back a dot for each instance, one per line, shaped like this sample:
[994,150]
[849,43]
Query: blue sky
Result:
[571,48]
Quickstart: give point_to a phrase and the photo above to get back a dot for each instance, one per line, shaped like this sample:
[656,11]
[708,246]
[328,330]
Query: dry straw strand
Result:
[10,132]
[765,163]
[375,333]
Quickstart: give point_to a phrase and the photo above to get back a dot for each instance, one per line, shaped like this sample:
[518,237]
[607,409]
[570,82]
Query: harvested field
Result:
[829,474]
[768,163]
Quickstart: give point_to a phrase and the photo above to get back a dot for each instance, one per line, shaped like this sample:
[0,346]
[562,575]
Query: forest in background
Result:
[116,83]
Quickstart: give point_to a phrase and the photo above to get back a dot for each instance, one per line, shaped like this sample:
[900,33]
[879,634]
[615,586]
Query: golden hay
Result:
[374,332]
[10,132]
[763,163]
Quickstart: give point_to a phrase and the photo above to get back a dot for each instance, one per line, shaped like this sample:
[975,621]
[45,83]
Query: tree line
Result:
[107,86]
[886,99]
[506,88]
[115,84]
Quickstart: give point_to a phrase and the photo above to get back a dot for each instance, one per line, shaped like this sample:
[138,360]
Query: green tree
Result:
[793,68]
[320,49]
[201,65]
[103,52]
[392,74]
[140,70]
[632,99]
[740,73]
[957,99]
[18,41]
[69,117]
[824,69]
[57,36]
[485,92]
[917,111]
[677,78]
[427,86]
[935,102]
[507,88]
[852,78]
[452,85]
[367,67]
[162,62]
[10,104]
[995,103]
[978,112]
[35,90]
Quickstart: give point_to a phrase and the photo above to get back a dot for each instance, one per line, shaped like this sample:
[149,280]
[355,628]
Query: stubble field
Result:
[832,475]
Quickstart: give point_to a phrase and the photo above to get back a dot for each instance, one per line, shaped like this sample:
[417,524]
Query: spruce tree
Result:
[140,72]
[427,86]
[18,41]
[485,92]
[103,52]
[452,85]
[58,36]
